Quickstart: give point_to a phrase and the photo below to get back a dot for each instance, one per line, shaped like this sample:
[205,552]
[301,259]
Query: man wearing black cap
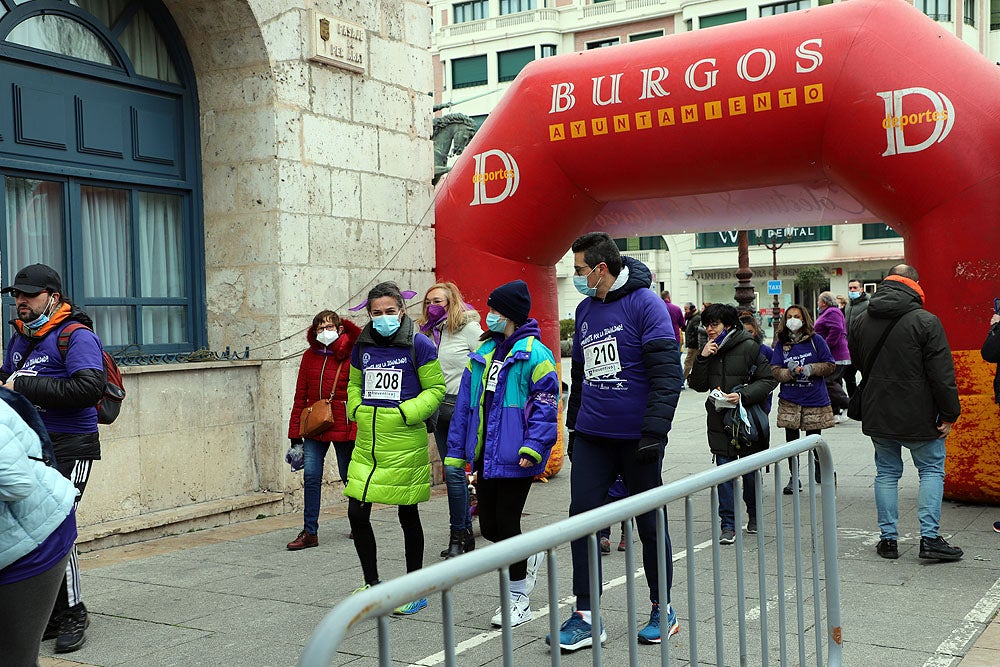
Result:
[65,386]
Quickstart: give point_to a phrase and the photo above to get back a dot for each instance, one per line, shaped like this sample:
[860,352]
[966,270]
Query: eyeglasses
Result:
[580,270]
[326,327]
[17,294]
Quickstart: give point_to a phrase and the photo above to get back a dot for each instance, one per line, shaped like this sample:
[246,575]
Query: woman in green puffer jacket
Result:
[395,384]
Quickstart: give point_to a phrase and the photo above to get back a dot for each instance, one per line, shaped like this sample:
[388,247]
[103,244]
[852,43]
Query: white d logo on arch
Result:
[509,174]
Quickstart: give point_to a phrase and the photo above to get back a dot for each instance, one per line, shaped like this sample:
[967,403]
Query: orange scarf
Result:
[55,319]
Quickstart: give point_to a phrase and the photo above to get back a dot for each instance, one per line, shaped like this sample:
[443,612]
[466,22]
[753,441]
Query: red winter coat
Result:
[317,371]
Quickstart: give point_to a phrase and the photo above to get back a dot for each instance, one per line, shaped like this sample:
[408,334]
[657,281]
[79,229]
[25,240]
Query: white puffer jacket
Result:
[34,498]
[453,353]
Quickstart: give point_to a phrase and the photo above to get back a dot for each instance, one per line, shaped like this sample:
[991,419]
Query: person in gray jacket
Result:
[910,401]
[37,532]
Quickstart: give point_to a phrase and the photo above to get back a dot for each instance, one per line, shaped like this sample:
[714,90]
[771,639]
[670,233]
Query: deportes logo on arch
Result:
[917,115]
[496,177]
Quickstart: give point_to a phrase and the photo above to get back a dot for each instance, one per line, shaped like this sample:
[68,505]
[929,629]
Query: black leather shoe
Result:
[887,549]
[937,548]
[73,624]
[52,628]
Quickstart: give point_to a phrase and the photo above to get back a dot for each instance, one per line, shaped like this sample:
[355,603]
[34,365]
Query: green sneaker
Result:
[411,607]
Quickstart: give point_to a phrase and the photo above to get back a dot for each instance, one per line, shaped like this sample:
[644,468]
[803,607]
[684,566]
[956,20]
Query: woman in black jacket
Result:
[730,358]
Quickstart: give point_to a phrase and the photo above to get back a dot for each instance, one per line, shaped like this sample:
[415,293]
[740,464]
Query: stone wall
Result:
[316,185]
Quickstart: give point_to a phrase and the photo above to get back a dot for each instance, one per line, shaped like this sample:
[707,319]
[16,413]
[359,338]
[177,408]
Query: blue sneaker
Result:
[575,633]
[411,607]
[651,633]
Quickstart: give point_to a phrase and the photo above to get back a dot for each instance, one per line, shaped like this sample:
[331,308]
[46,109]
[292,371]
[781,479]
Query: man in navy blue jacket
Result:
[626,377]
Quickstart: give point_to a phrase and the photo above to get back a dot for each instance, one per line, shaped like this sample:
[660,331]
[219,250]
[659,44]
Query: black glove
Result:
[569,445]
[650,449]
[295,441]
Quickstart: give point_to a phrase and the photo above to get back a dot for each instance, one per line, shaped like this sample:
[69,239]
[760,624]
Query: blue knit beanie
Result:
[512,300]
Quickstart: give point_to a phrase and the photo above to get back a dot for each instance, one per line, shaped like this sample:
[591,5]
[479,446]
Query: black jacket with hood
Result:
[727,368]
[661,359]
[911,387]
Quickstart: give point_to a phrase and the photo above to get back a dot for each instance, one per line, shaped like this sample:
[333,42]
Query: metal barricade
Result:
[379,601]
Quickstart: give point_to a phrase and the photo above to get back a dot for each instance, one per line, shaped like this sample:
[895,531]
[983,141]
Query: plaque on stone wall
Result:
[337,42]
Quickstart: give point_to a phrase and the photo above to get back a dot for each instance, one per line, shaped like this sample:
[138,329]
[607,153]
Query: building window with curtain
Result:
[514,6]
[602,43]
[969,12]
[510,63]
[468,72]
[722,19]
[939,10]
[783,7]
[114,206]
[470,11]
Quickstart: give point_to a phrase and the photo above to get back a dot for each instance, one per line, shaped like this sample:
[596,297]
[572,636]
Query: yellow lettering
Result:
[737,106]
[689,113]
[665,116]
[787,98]
[643,120]
[713,110]
[578,128]
[813,93]
[622,123]
[599,125]
[557,132]
[762,102]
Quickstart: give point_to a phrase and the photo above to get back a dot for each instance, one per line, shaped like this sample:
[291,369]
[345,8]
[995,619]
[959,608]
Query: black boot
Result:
[462,541]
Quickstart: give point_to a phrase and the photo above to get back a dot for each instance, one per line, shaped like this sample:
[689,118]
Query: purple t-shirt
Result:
[84,352]
[608,344]
[809,393]
[389,374]
[45,556]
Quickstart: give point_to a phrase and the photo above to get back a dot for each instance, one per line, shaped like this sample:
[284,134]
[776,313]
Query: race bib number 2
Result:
[601,359]
[492,374]
[383,383]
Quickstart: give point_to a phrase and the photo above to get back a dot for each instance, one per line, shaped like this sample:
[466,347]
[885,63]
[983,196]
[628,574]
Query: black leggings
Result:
[501,501]
[793,434]
[360,516]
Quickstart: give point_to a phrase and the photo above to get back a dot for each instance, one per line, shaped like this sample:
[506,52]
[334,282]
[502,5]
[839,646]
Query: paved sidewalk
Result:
[234,596]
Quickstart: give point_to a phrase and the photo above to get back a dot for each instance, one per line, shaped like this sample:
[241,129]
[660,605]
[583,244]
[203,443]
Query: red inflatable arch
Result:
[819,115]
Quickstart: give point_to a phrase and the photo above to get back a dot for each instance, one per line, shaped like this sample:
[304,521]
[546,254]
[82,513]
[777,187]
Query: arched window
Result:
[99,165]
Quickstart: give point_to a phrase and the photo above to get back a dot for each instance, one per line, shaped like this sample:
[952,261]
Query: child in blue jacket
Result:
[511,385]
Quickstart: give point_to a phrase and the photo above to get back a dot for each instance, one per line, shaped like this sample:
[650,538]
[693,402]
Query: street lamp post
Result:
[773,247]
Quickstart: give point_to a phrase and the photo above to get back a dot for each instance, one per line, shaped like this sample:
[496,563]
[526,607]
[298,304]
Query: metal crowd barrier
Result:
[379,601]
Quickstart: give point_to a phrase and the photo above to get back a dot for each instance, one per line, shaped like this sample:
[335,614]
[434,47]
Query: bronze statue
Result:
[452,133]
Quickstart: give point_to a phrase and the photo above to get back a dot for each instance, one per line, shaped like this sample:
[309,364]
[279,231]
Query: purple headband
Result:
[407,294]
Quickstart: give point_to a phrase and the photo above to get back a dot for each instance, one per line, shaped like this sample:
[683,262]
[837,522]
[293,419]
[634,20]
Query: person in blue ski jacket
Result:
[510,384]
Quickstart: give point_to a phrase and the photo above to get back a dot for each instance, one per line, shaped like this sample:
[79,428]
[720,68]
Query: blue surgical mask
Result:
[580,283]
[41,320]
[386,325]
[495,323]
[853,295]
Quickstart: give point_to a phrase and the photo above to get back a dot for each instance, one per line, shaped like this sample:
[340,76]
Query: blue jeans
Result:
[312,483]
[928,458]
[455,481]
[727,512]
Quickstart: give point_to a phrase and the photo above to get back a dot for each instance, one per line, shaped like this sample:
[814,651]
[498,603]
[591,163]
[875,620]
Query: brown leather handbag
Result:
[318,417]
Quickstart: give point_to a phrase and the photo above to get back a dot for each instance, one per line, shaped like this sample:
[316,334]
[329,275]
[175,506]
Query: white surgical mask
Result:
[793,323]
[328,336]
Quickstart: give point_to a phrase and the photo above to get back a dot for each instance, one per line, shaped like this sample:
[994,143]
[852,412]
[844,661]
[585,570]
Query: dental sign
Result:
[933,121]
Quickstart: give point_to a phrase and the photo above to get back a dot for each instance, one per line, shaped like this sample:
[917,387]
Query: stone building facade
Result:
[315,185]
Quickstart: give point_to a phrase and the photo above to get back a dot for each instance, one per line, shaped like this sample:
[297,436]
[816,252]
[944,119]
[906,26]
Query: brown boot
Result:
[303,541]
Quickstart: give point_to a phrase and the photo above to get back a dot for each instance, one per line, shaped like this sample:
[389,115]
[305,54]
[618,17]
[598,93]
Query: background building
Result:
[479,46]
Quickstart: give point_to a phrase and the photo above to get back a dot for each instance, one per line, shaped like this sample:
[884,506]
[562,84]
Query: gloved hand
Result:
[295,457]
[569,445]
[650,449]
[806,371]
[792,364]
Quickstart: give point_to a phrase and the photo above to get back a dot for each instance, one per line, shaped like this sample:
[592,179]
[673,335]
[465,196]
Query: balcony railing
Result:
[506,21]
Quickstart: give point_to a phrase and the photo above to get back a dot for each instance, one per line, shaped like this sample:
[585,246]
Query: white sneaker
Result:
[839,419]
[520,611]
[534,562]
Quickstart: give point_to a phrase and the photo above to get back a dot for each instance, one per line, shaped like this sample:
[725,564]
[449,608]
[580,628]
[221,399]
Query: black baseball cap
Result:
[34,279]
